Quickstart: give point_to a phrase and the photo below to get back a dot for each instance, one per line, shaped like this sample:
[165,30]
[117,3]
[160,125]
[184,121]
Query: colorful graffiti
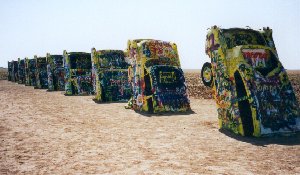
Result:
[41,73]
[56,72]
[158,83]
[21,71]
[110,76]
[253,93]
[30,69]
[78,73]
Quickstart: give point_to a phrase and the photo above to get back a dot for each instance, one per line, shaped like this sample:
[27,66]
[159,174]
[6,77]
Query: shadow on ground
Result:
[109,102]
[165,114]
[292,139]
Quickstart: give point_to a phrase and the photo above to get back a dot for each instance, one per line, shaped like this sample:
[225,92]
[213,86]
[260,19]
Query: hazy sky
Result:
[30,27]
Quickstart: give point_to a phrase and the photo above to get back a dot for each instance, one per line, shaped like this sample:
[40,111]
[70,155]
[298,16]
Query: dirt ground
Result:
[49,133]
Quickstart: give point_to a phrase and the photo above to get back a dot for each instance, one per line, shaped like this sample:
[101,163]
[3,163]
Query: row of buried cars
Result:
[250,86]
[147,74]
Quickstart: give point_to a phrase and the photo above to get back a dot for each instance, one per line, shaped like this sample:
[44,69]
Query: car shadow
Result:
[54,90]
[165,114]
[292,139]
[109,102]
[77,95]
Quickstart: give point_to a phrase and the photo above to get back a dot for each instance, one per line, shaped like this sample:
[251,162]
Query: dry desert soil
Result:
[48,133]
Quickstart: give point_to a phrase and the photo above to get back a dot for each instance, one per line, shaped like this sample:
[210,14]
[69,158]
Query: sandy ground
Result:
[48,133]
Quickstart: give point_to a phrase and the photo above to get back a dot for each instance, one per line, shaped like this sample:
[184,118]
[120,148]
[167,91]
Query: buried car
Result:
[21,71]
[253,93]
[158,82]
[55,72]
[78,73]
[9,71]
[30,69]
[110,76]
[41,73]
[14,71]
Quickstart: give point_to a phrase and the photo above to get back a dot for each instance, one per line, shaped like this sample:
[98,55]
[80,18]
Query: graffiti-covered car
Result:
[41,73]
[158,82]
[14,71]
[110,76]
[21,71]
[30,69]
[78,73]
[55,72]
[253,93]
[9,70]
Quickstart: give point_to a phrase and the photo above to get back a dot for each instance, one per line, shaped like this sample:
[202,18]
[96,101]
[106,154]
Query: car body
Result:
[41,73]
[78,73]
[14,71]
[110,76]
[251,87]
[55,72]
[30,71]
[158,82]
[9,70]
[21,71]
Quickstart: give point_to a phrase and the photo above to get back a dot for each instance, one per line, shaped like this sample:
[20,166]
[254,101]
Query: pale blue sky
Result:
[29,27]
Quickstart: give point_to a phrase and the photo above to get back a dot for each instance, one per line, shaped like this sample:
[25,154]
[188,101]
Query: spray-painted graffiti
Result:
[78,76]
[277,105]
[56,73]
[275,112]
[158,83]
[169,83]
[21,71]
[250,86]
[30,72]
[159,49]
[237,37]
[115,86]
[257,57]
[110,76]
[41,73]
